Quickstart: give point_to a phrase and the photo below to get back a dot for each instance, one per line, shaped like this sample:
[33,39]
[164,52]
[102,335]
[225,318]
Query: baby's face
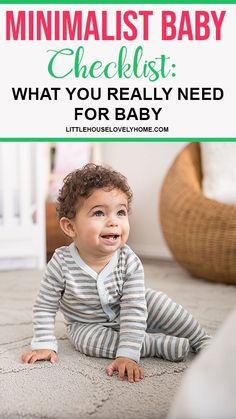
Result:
[101,224]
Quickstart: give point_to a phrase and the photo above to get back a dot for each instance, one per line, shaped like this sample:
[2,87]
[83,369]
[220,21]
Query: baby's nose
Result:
[112,221]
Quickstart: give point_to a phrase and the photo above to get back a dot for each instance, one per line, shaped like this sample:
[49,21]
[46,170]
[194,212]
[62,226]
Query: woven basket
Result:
[200,232]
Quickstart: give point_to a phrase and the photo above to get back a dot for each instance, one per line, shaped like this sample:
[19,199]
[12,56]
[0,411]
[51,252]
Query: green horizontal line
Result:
[118,139]
[117,2]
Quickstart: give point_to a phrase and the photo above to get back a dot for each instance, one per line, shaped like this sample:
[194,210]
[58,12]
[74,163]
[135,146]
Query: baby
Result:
[98,284]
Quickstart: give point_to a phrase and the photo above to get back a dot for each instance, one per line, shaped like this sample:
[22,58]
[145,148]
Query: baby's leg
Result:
[163,346]
[172,319]
[102,342]
[94,339]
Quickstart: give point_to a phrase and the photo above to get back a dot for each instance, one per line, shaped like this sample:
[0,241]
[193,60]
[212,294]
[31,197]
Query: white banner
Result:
[157,71]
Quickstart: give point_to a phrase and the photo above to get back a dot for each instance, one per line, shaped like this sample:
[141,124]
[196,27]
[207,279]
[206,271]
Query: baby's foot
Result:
[172,348]
[201,343]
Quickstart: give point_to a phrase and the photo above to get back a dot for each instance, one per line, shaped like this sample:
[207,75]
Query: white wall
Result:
[145,165]
[22,205]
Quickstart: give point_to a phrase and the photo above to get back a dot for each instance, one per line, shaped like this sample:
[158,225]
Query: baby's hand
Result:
[126,365]
[39,355]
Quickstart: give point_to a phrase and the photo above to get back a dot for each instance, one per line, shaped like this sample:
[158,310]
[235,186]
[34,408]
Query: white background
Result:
[198,64]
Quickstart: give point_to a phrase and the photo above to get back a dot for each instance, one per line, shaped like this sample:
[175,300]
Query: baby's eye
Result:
[122,213]
[98,213]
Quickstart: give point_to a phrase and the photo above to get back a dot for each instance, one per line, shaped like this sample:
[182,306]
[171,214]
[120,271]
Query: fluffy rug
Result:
[77,387]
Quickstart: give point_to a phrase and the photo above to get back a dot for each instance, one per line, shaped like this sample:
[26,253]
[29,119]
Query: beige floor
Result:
[77,386]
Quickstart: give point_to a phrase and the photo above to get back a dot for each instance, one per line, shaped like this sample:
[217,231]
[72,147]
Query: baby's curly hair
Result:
[82,182]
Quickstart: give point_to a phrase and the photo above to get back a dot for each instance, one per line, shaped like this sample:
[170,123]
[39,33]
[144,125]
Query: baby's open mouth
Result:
[110,236]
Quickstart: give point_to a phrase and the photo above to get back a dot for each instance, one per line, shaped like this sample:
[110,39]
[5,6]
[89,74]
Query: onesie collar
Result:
[106,270]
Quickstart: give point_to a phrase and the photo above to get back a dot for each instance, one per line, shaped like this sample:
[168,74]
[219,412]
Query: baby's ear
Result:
[67,227]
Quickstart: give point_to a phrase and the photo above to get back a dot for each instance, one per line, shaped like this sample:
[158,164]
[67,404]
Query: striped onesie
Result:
[110,314]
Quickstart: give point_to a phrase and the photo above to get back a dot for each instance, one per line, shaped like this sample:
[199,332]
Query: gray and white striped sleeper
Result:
[110,314]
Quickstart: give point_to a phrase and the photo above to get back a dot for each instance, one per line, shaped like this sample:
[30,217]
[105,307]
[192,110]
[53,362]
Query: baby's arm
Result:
[39,355]
[133,311]
[133,314]
[44,344]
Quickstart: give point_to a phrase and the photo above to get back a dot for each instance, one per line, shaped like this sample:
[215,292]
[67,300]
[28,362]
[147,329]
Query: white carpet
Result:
[77,387]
